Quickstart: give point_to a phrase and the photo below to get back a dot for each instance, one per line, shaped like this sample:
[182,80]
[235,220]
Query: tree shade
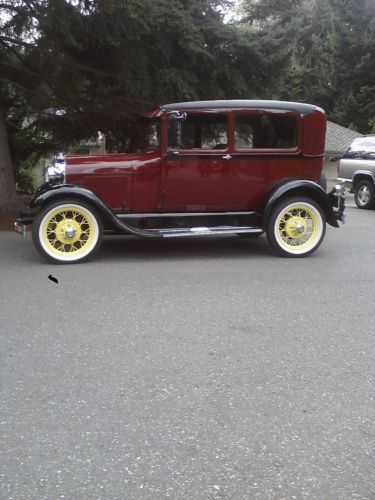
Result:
[105,61]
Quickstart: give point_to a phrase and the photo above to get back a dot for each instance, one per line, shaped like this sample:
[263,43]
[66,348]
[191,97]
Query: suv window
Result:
[265,131]
[197,131]
[363,147]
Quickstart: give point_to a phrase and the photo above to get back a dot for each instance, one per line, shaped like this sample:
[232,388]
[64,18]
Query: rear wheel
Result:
[67,231]
[296,227]
[364,194]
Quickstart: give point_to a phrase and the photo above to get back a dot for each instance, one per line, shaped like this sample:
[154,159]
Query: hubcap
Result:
[70,232]
[67,231]
[295,227]
[364,195]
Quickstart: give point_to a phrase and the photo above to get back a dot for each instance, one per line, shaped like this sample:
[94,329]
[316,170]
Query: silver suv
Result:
[357,170]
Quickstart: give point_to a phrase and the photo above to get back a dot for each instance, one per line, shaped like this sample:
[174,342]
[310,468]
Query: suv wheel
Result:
[296,227]
[364,194]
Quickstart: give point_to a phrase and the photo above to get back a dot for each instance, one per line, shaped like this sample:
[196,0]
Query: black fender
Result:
[299,187]
[362,175]
[47,194]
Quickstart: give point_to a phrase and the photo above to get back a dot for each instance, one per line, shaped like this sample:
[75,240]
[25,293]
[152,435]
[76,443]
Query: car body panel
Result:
[124,182]
[191,180]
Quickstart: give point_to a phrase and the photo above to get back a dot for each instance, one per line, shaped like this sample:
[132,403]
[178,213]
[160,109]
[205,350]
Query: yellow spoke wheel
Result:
[296,227]
[67,231]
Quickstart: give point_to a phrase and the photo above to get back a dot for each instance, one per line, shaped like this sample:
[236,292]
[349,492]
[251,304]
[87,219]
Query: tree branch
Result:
[15,41]
[26,71]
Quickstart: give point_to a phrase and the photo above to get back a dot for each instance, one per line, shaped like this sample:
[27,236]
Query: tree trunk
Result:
[7,183]
[10,200]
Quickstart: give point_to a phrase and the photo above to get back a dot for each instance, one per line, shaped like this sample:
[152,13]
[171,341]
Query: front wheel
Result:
[296,227]
[67,231]
[364,194]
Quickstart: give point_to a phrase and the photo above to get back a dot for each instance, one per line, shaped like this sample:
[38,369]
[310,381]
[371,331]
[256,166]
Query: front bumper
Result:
[337,198]
[347,183]
[20,228]
[24,219]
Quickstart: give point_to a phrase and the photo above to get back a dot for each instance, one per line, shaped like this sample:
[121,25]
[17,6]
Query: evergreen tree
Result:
[321,51]
[104,61]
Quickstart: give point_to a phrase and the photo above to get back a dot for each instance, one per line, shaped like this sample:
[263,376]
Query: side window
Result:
[205,131]
[264,131]
[145,136]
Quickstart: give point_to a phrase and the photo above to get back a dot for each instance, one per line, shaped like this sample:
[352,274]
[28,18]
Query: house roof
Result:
[339,138]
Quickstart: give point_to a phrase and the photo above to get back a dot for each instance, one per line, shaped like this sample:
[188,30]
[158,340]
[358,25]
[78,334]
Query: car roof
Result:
[366,142]
[301,108]
[365,138]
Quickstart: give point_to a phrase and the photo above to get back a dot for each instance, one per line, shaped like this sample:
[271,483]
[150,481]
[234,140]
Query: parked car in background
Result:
[196,169]
[357,170]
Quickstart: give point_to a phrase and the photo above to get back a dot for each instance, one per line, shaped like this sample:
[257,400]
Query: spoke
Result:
[79,218]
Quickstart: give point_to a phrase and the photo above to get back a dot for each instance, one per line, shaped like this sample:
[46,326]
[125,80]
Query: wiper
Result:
[369,156]
[354,154]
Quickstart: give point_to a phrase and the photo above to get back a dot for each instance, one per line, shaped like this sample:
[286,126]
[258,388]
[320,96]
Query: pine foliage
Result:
[102,62]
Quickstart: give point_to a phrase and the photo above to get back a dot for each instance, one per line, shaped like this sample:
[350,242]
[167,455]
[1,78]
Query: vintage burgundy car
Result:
[196,169]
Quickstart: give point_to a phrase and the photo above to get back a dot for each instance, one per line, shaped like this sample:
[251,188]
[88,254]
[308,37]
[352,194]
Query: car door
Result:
[265,151]
[195,168]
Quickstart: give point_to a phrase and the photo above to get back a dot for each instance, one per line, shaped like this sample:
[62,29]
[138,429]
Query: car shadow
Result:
[212,247]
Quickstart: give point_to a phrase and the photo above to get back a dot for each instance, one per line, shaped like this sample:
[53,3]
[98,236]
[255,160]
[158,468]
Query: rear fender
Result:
[297,187]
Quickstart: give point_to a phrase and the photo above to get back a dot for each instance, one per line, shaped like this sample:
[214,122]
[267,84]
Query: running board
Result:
[205,231]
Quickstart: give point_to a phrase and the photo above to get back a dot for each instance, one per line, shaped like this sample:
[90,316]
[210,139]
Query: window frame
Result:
[200,151]
[268,151]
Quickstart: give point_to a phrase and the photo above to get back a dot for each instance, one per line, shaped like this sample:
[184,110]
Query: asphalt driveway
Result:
[189,369]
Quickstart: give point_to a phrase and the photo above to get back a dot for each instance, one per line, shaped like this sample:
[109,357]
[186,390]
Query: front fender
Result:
[299,187]
[46,194]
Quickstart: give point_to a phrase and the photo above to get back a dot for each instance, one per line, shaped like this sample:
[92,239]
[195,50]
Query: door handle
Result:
[227,157]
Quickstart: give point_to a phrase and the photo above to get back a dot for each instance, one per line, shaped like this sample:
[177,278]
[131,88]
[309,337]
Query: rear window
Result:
[363,147]
[265,131]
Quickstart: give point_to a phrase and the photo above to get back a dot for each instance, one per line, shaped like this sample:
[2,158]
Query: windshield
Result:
[361,146]
[145,136]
